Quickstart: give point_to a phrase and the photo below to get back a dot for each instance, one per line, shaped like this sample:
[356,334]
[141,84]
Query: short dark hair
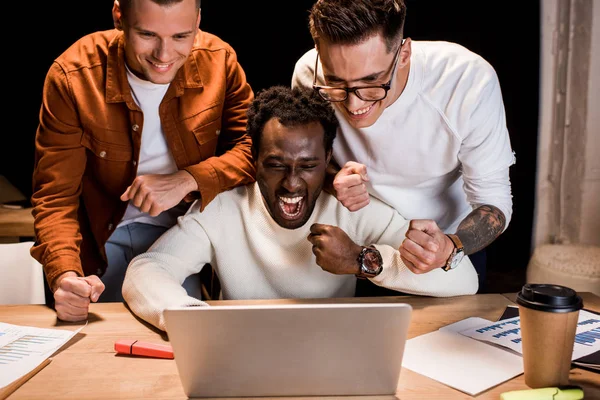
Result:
[125,5]
[292,107]
[353,21]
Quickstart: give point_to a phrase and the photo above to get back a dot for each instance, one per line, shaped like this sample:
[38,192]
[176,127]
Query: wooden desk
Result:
[87,368]
[16,223]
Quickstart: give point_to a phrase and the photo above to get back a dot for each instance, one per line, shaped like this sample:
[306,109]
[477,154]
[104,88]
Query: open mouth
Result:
[291,207]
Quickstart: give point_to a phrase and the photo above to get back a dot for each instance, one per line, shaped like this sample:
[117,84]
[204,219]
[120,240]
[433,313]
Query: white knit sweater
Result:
[257,259]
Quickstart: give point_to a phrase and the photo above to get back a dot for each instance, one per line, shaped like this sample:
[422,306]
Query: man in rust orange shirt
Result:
[135,123]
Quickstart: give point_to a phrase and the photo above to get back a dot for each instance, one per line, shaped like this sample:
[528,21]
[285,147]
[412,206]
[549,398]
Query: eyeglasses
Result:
[365,93]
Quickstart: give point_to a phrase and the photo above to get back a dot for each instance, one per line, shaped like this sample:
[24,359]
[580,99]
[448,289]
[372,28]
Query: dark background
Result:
[269,36]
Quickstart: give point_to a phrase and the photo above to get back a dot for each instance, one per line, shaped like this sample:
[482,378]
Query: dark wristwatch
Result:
[370,262]
[457,254]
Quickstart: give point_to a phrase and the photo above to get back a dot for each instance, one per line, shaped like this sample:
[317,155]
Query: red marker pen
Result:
[137,348]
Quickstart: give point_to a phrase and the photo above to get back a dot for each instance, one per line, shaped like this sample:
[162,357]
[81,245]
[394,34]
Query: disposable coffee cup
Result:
[548,315]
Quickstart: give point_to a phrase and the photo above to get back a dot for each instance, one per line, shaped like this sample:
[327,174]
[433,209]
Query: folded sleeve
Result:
[459,281]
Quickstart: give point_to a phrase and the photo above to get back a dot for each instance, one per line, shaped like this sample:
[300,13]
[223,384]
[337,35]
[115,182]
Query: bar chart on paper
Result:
[23,348]
[507,333]
[588,338]
[28,346]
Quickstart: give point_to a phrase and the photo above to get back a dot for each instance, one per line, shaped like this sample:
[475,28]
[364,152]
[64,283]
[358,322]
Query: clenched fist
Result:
[349,186]
[335,251]
[425,247]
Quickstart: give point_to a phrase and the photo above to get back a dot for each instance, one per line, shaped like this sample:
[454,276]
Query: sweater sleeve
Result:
[383,227]
[486,154]
[154,279]
[459,281]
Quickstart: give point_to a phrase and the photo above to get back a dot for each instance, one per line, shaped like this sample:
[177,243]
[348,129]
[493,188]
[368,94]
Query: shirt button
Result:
[134,163]
[135,127]
[99,271]
[218,132]
[110,227]
[102,154]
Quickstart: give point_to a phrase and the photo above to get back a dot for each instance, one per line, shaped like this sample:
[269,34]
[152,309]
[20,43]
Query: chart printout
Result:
[23,348]
[507,333]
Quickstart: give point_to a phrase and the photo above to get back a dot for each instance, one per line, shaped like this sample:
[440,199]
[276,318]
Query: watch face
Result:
[371,261]
[456,260]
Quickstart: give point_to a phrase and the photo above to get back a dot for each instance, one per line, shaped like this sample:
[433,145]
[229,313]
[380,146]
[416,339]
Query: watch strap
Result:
[456,240]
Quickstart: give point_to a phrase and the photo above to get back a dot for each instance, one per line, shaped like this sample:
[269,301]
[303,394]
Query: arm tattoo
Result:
[480,228]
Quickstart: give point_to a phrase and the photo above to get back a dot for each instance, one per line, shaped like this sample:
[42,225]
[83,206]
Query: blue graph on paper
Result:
[507,333]
[23,348]
[588,338]
[498,326]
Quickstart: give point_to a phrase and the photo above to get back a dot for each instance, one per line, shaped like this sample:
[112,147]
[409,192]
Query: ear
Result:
[405,53]
[198,20]
[117,16]
[329,153]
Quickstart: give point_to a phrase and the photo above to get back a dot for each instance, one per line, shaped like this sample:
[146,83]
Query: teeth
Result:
[360,111]
[290,200]
[161,65]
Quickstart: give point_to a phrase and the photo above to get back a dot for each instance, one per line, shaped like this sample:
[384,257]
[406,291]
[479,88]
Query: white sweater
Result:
[442,148]
[257,259]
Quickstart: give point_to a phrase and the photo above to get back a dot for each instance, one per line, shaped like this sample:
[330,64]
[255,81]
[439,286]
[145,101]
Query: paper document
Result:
[459,361]
[507,333]
[23,348]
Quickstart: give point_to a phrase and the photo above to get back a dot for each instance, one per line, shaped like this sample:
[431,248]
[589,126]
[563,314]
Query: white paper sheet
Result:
[507,333]
[459,361]
[23,348]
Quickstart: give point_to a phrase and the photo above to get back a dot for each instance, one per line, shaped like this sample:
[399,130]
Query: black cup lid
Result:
[550,298]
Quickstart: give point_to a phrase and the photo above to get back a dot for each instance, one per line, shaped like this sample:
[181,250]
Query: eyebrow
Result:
[370,77]
[302,159]
[142,30]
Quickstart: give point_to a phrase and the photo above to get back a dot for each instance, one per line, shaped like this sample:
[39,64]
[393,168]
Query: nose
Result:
[292,182]
[353,102]
[161,51]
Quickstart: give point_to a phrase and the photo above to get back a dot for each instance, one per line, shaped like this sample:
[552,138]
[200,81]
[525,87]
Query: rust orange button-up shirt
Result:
[88,142]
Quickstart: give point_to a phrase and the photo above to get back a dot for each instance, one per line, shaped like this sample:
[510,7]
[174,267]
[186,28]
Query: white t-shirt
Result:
[155,155]
[255,258]
[442,148]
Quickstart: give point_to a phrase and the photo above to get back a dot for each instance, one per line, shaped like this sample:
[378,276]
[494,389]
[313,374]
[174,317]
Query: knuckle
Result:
[339,185]
[421,266]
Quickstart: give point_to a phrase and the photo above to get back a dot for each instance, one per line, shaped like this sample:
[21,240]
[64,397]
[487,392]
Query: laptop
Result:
[289,349]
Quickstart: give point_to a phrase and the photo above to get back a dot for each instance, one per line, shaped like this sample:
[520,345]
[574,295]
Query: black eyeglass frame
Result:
[386,86]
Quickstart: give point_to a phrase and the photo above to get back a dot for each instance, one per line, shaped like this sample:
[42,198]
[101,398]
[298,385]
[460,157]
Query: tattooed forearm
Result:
[480,228]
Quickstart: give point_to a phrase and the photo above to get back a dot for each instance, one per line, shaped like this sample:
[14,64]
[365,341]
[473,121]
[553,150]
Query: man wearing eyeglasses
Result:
[422,127]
